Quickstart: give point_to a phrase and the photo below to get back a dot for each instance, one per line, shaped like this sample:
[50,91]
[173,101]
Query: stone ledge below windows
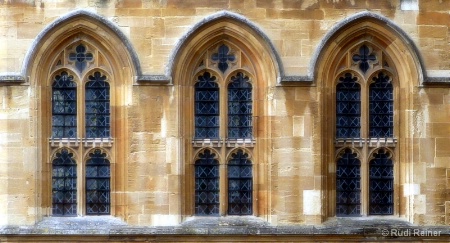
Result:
[245,228]
[86,142]
[360,142]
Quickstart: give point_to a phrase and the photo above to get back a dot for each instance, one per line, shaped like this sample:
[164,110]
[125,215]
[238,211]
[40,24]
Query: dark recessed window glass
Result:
[381,107]
[363,58]
[239,107]
[207,184]
[240,184]
[222,57]
[348,107]
[381,183]
[348,185]
[98,185]
[97,107]
[206,107]
[64,107]
[81,57]
[64,184]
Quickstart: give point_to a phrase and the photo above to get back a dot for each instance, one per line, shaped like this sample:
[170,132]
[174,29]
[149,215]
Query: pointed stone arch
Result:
[225,24]
[191,55]
[82,21]
[403,61]
[114,56]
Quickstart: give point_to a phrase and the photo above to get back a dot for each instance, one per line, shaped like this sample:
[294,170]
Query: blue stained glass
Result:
[223,57]
[348,185]
[80,57]
[240,184]
[64,184]
[348,107]
[97,107]
[64,106]
[381,107]
[363,58]
[239,107]
[98,186]
[207,184]
[206,107]
[381,182]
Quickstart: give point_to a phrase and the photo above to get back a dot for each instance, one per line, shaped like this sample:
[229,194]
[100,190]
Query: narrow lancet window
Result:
[98,185]
[64,184]
[206,107]
[239,107]
[381,107]
[240,184]
[97,107]
[348,184]
[381,180]
[64,107]
[207,184]
[348,107]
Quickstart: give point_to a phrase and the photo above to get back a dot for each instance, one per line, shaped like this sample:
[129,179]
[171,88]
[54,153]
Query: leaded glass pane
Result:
[206,107]
[348,107]
[381,107]
[348,185]
[239,107]
[207,184]
[64,184]
[98,188]
[381,182]
[97,107]
[81,57]
[222,57]
[64,106]
[240,184]
[364,58]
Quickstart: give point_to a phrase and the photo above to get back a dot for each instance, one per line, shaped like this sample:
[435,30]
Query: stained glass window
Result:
[381,107]
[81,57]
[348,185]
[207,184]
[98,186]
[381,183]
[363,58]
[64,106]
[64,184]
[239,107]
[240,184]
[97,107]
[348,107]
[206,107]
[223,56]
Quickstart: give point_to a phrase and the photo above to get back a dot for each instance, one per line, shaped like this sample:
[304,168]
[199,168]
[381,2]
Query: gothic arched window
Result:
[98,184]
[240,184]
[207,184]
[64,184]
[239,107]
[64,106]
[206,107]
